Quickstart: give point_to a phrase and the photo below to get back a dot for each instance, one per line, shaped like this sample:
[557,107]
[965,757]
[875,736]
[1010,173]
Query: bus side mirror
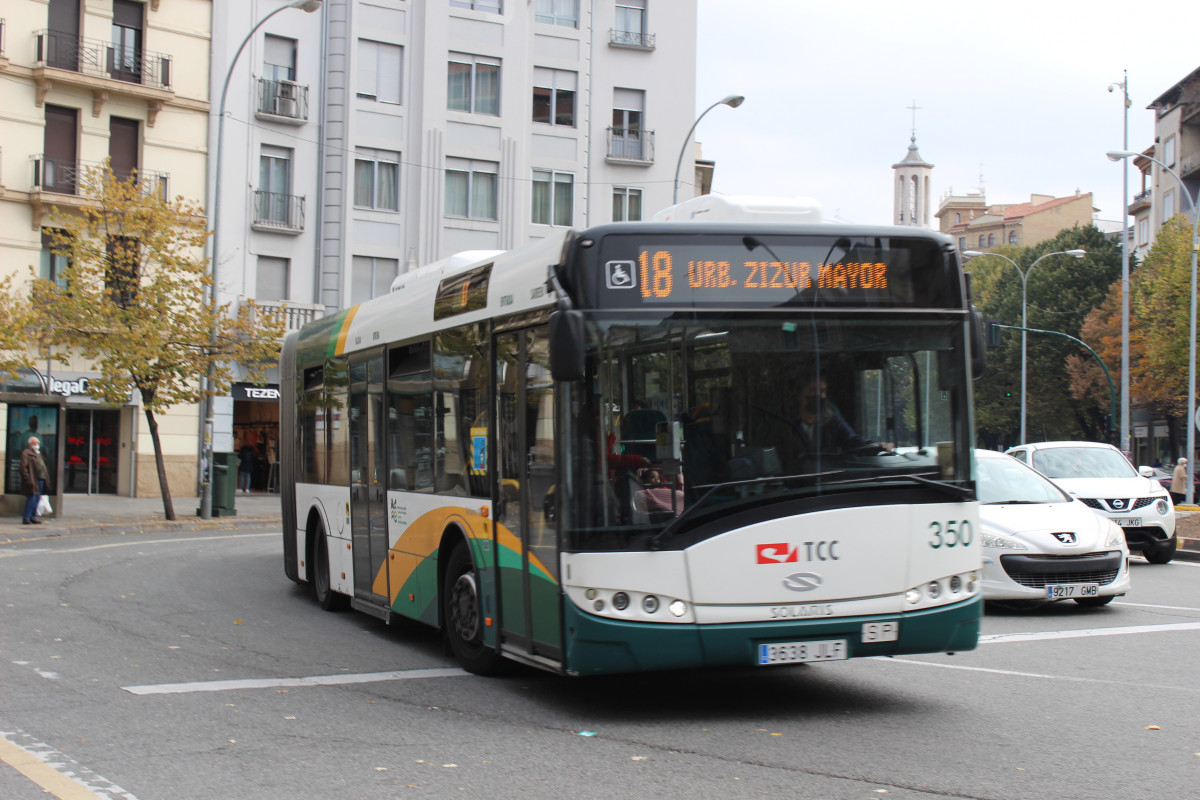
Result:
[567,341]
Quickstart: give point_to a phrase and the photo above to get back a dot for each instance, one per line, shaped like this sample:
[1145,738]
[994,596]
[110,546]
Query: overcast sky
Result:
[1016,92]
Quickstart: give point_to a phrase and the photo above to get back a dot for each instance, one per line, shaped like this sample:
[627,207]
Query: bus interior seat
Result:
[639,432]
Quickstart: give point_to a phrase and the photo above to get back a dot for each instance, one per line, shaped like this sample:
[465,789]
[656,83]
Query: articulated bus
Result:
[648,446]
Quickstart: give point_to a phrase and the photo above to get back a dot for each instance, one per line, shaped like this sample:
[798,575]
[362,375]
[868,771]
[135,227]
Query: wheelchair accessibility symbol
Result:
[620,275]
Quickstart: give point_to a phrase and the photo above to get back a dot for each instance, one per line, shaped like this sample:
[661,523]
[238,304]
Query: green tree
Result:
[15,330]
[135,304]
[1062,290]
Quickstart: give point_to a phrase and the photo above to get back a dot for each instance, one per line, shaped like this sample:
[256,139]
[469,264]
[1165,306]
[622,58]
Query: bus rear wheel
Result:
[462,614]
[318,579]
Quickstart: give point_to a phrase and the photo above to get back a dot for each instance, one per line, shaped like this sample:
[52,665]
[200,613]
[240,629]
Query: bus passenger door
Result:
[368,500]
[530,595]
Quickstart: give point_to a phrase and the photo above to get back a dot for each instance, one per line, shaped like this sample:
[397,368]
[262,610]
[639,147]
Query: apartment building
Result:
[86,80]
[369,137]
[976,225]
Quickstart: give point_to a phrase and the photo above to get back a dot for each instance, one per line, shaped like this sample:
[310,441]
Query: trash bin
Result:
[224,484]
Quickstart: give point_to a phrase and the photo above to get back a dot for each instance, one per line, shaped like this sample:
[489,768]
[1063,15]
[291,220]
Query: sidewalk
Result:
[94,514]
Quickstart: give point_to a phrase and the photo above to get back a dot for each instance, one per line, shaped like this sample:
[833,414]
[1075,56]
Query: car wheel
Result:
[462,614]
[1163,553]
[1094,602]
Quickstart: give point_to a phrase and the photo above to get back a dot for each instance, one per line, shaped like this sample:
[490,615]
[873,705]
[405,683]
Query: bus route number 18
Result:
[951,533]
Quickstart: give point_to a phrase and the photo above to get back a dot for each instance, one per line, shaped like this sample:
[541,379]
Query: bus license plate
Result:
[802,652]
[1127,522]
[1064,591]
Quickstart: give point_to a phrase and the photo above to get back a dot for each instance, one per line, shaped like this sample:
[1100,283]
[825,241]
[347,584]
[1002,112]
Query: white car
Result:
[1039,543]
[1104,479]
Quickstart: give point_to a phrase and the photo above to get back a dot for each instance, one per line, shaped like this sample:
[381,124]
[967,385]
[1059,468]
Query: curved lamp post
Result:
[1024,293]
[1118,155]
[733,101]
[214,219]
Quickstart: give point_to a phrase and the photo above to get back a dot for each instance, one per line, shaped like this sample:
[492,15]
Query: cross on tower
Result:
[914,108]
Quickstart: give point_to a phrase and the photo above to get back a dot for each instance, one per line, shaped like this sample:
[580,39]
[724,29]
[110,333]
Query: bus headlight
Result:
[913,596]
[678,608]
[620,601]
[650,604]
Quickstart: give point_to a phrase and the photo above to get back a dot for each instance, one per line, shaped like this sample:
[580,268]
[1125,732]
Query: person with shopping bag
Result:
[34,479]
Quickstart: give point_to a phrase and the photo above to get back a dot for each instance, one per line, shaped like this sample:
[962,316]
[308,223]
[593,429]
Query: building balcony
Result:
[282,101]
[63,184]
[630,146]
[1189,163]
[278,213]
[1140,201]
[99,67]
[295,315]
[633,40]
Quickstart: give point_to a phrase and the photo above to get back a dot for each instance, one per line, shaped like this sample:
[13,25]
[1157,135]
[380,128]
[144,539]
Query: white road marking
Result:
[276,683]
[1041,675]
[57,774]
[136,543]
[1002,638]
[1148,605]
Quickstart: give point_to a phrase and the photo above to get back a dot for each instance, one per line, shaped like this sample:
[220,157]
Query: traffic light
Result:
[993,331]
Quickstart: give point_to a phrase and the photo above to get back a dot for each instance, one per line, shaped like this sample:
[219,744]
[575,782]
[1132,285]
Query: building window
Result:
[271,279]
[274,185]
[379,71]
[1168,206]
[631,21]
[962,243]
[558,12]
[1143,231]
[991,240]
[471,188]
[627,204]
[377,179]
[125,55]
[54,261]
[371,277]
[553,198]
[492,6]
[1012,237]
[473,84]
[957,218]
[1169,151]
[628,110]
[981,240]
[279,58]
[554,96]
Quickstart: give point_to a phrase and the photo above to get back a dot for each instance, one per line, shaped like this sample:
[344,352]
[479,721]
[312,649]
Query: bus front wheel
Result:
[318,579]
[462,614]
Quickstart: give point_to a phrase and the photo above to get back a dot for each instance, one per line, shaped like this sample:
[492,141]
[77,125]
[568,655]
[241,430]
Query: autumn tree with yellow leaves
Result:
[134,301]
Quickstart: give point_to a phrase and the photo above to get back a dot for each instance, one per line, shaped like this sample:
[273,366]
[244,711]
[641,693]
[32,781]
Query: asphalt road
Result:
[187,666]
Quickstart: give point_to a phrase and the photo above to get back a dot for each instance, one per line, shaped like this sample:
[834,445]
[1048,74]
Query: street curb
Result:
[143,526]
[1188,550]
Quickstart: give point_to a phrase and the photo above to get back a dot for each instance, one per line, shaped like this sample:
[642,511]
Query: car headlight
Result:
[998,541]
[1162,507]
[1116,537]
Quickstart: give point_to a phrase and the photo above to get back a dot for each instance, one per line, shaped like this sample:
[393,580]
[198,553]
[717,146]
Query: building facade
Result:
[373,136]
[975,225]
[85,81]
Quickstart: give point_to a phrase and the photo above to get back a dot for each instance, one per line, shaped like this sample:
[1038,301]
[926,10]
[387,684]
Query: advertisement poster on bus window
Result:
[478,451]
[24,422]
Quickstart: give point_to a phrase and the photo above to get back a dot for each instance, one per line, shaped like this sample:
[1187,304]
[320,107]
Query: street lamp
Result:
[733,101]
[1117,155]
[1125,440]
[214,217]
[1024,287]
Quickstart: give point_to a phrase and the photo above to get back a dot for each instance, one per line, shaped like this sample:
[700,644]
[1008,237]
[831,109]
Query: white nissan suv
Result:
[1100,476]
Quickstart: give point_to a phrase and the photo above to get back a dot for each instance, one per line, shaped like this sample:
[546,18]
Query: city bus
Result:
[591,454]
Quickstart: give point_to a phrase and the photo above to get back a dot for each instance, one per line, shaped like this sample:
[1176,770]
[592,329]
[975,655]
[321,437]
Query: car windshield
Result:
[683,423]
[1006,480]
[1082,462]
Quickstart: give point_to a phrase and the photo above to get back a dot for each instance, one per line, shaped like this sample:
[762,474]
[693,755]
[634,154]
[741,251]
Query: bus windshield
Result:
[692,424]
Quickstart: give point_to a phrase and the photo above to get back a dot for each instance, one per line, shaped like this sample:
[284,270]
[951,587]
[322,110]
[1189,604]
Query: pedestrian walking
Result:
[1179,482]
[34,479]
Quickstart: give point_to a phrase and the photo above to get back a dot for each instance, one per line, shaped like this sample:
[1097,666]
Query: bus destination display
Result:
[811,272]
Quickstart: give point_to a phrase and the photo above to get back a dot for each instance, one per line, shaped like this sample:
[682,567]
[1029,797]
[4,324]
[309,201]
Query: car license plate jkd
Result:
[802,652]
[1127,522]
[1066,591]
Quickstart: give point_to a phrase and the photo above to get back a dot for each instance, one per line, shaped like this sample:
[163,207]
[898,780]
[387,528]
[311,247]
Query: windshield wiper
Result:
[692,510]
[943,486]
[1011,502]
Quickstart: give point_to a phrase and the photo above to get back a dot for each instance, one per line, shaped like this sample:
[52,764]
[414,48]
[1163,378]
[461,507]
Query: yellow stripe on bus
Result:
[345,331]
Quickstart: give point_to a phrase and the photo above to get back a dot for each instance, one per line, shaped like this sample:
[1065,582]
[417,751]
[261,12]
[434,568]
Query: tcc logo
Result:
[780,553]
[802,581]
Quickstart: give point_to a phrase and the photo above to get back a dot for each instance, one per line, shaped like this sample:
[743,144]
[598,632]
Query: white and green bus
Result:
[600,453]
